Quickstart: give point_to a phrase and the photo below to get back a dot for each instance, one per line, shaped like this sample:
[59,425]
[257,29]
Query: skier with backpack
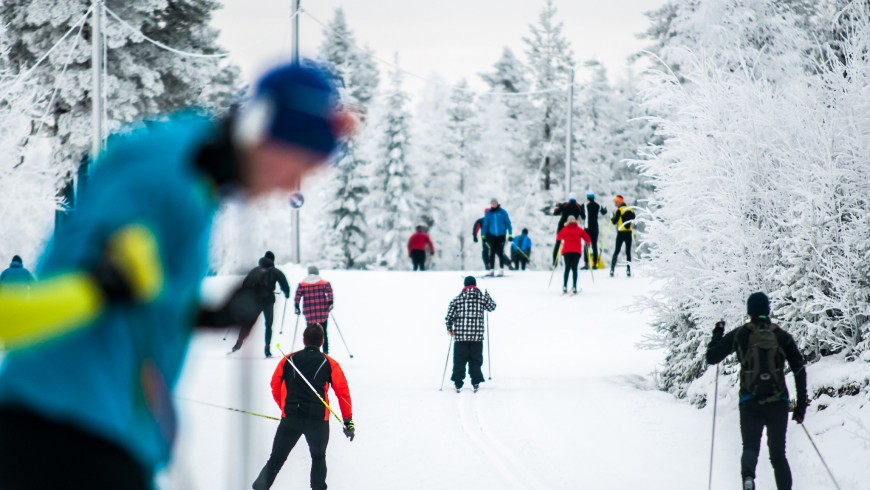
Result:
[571,240]
[592,210]
[623,218]
[305,409]
[465,323]
[316,297]
[763,349]
[261,282]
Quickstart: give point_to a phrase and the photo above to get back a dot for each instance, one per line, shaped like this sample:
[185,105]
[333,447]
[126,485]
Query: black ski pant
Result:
[418,258]
[484,254]
[572,261]
[41,454]
[325,337]
[520,259]
[268,317]
[496,248]
[468,353]
[622,237]
[291,428]
[754,417]
[593,236]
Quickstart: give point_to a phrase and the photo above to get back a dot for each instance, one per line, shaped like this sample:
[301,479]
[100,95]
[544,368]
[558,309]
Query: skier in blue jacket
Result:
[97,345]
[521,250]
[16,273]
[497,231]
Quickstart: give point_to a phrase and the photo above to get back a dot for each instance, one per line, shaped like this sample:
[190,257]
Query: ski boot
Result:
[457,387]
[748,483]
[584,268]
[267,352]
[475,387]
[612,271]
[565,290]
[574,292]
[628,270]
[501,273]
[490,273]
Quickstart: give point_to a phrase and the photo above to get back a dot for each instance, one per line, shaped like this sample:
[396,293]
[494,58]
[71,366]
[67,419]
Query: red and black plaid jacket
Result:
[318,299]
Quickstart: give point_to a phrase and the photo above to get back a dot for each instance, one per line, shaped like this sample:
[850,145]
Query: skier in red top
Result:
[417,246]
[318,298]
[572,238]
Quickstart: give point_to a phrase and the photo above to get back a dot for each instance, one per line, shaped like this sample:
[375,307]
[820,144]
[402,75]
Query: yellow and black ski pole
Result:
[290,361]
[246,412]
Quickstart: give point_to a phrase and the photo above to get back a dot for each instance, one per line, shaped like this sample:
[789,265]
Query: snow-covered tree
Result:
[391,207]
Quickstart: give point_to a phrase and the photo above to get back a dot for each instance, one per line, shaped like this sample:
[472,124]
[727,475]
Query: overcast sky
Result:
[452,38]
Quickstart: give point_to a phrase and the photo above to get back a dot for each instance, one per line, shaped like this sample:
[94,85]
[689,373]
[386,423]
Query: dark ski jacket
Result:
[496,222]
[293,395]
[522,243]
[570,208]
[722,345]
[465,314]
[275,276]
[16,273]
[592,210]
[623,218]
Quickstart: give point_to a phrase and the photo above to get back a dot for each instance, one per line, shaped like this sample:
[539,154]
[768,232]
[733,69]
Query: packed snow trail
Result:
[571,403]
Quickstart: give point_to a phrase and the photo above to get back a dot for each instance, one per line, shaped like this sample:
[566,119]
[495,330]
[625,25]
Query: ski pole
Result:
[592,263]
[556,263]
[255,414]
[713,438]
[488,353]
[290,361]
[820,456]
[228,332]
[449,346]
[340,334]
[295,330]
[283,314]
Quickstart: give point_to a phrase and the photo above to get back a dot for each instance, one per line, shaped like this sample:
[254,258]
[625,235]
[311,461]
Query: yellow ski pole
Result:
[556,263]
[278,346]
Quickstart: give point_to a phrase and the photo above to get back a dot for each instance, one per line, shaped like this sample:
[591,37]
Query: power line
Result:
[158,43]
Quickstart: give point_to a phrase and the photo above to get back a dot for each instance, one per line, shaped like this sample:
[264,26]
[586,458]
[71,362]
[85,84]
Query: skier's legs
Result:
[484,254]
[475,362]
[751,427]
[777,426]
[288,433]
[628,237]
[460,359]
[593,235]
[269,317]
[567,272]
[317,436]
[617,249]
[572,261]
[490,257]
[575,262]
[244,331]
[499,246]
[524,262]
[325,338]
[418,258]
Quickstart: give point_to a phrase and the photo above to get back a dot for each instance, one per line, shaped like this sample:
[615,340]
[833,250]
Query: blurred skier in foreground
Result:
[97,347]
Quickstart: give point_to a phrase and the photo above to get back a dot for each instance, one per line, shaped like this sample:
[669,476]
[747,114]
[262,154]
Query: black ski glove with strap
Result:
[349,429]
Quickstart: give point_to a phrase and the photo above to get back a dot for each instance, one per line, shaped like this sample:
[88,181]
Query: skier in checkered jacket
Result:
[465,325]
[316,297]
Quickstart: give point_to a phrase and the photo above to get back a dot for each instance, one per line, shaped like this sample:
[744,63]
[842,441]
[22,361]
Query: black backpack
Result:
[761,366]
[258,279]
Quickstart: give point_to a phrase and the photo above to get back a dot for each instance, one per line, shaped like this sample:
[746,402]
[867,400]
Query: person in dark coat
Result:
[418,245]
[16,273]
[484,248]
[764,399]
[302,412]
[564,211]
[497,231]
[261,281]
[592,209]
[465,323]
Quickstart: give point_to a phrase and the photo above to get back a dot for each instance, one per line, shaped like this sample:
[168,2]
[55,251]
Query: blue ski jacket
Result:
[497,222]
[114,377]
[16,273]
[522,242]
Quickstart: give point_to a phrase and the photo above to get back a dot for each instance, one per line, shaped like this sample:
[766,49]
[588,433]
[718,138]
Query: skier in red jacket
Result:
[417,246]
[572,238]
[302,412]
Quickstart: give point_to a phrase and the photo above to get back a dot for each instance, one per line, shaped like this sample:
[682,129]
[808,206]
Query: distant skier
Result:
[762,349]
[302,413]
[465,323]
[623,218]
[571,237]
[497,231]
[317,301]
[478,225]
[592,209]
[418,245]
[96,346]
[521,250]
[16,273]
[564,211]
[261,281]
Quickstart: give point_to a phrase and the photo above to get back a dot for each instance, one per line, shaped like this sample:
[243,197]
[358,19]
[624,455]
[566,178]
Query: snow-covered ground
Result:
[571,404]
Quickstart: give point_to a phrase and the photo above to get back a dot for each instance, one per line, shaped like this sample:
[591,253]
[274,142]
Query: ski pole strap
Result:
[310,385]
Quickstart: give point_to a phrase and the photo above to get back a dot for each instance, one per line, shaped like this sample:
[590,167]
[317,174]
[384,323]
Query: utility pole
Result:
[569,137]
[96,79]
[296,255]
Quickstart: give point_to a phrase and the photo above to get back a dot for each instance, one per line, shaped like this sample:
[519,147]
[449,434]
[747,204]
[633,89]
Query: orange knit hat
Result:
[619,200]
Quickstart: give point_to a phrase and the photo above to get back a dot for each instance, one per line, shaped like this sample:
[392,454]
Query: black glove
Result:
[475,239]
[349,428]
[800,411]
[298,312]
[114,284]
[719,329]
[331,306]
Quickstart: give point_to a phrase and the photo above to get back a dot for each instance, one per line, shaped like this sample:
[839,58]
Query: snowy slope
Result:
[570,404]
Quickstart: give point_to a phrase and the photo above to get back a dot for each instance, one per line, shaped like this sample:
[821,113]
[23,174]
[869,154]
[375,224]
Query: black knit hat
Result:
[470,281]
[758,305]
[269,255]
[17,258]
